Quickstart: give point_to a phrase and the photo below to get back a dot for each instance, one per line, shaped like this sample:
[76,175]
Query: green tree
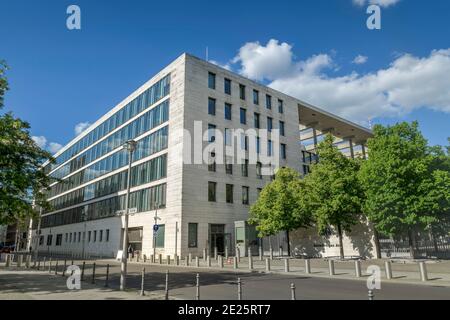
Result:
[404,193]
[21,177]
[278,207]
[332,192]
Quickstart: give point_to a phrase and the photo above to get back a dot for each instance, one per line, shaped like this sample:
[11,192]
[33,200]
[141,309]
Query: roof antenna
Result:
[207,54]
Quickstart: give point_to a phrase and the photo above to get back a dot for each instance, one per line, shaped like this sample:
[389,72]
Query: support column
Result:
[352,151]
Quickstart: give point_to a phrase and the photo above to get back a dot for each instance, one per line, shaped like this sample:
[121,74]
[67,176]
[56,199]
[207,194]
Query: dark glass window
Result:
[192,235]
[268,101]
[282,132]
[211,132]
[245,196]
[211,80]
[228,166]
[269,124]
[212,191]
[107,235]
[244,168]
[49,239]
[243,115]
[227,86]
[257,123]
[269,148]
[283,151]
[256,97]
[259,170]
[242,91]
[212,162]
[228,137]
[280,106]
[258,145]
[212,106]
[59,239]
[228,111]
[229,193]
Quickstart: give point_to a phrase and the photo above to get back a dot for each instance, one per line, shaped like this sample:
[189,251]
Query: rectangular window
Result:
[259,170]
[258,145]
[245,194]
[244,142]
[280,106]
[269,148]
[228,110]
[79,236]
[268,101]
[67,237]
[257,124]
[211,132]
[107,235]
[229,193]
[160,236]
[211,80]
[89,236]
[192,235]
[59,239]
[212,191]
[95,236]
[70,237]
[228,166]
[244,168]
[211,106]
[41,240]
[269,124]
[101,236]
[256,97]
[49,239]
[242,91]
[228,137]
[282,130]
[243,115]
[283,151]
[227,86]
[212,162]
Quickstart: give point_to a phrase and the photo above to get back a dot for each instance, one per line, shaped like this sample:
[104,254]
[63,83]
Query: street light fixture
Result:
[130,146]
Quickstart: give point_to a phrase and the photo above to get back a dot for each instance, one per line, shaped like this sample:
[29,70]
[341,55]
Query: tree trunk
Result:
[341,244]
[376,239]
[412,244]
[288,243]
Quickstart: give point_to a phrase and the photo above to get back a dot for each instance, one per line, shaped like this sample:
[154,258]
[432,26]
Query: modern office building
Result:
[198,195]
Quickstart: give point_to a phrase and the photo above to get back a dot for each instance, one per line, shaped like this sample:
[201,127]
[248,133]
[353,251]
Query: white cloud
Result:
[79,128]
[408,83]
[42,143]
[226,66]
[381,3]
[360,59]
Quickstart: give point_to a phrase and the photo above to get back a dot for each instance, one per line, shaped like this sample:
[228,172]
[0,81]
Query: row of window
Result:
[229,193]
[152,95]
[93,236]
[243,92]
[151,144]
[143,200]
[228,111]
[212,167]
[151,119]
[149,171]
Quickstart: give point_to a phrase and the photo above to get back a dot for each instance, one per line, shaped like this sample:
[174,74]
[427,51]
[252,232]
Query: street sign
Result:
[155,228]
[132,210]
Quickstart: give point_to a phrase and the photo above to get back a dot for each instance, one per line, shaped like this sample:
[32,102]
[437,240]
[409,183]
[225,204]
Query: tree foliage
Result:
[332,192]
[21,177]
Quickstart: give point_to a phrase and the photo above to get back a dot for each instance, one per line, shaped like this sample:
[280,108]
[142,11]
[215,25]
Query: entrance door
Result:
[217,238]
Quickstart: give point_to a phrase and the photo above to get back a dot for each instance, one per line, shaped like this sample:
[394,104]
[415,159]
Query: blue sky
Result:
[61,78]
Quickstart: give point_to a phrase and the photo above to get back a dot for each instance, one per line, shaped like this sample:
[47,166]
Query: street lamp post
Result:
[154,231]
[38,235]
[130,146]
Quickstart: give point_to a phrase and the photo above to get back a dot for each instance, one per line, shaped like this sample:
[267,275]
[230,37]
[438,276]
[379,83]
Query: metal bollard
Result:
[204,255]
[208,261]
[388,268]
[358,269]
[286,265]
[152,258]
[187,261]
[250,259]
[197,293]
[82,271]
[145,258]
[197,262]
[221,262]
[190,258]
[93,273]
[8,261]
[168,260]
[307,266]
[142,283]
[293,292]
[280,251]
[267,265]
[50,265]
[226,252]
[19,261]
[28,261]
[107,276]
[238,254]
[239,283]
[215,253]
[331,267]
[260,251]
[166,296]
[177,260]
[56,268]
[271,253]
[423,271]
[39,263]
[235,263]
[160,258]
[371,295]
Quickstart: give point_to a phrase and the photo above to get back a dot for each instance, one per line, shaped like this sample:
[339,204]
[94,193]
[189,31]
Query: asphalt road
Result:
[259,286]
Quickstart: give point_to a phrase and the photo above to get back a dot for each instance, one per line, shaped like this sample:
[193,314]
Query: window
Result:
[79,236]
[101,236]
[282,130]
[228,137]
[242,91]
[67,237]
[227,86]
[257,124]
[107,235]
[268,102]
[229,193]
[269,148]
[256,97]
[280,106]
[258,170]
[228,166]
[49,239]
[228,114]
[243,115]
[41,240]
[212,80]
[269,124]
[70,237]
[211,132]
[212,191]
[283,151]
[192,235]
[160,235]
[244,142]
[258,145]
[245,193]
[244,168]
[89,236]
[95,236]
[211,106]
[212,162]
[59,239]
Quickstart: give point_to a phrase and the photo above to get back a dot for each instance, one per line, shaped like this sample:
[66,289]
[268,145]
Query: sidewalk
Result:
[40,285]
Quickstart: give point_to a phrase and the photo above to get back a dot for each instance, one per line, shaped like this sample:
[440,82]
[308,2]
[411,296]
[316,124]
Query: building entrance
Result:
[217,238]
